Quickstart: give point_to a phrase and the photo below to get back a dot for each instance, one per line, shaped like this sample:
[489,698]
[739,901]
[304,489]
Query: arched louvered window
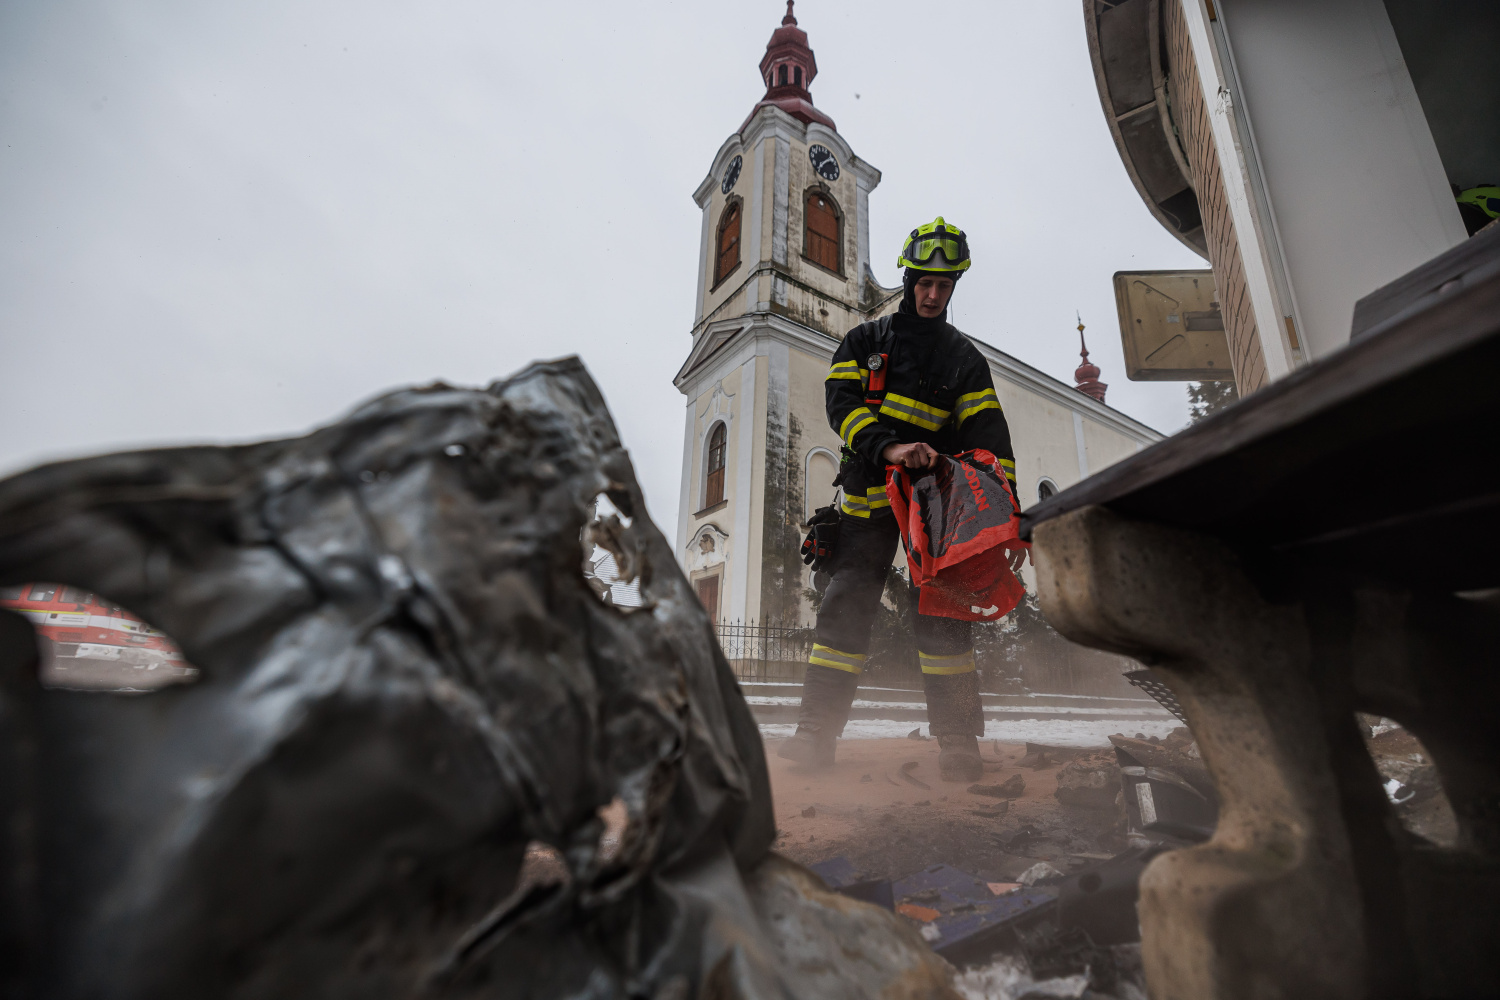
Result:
[728,255]
[822,239]
[781,75]
[713,486]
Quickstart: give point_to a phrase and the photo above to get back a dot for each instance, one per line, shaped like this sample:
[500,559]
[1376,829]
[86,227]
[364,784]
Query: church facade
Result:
[784,271]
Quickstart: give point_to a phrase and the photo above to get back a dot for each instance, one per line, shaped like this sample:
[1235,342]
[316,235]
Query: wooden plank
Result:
[1472,260]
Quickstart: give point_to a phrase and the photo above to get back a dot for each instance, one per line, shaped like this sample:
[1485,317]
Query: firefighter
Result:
[903,390]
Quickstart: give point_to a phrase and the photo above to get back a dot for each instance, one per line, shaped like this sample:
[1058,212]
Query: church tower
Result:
[783,274]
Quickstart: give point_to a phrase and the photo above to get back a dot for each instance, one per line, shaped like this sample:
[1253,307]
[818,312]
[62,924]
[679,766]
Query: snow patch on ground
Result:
[1006,979]
[779,700]
[1057,732]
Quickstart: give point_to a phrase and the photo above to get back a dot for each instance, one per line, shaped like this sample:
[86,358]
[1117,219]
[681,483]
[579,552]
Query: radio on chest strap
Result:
[878,365]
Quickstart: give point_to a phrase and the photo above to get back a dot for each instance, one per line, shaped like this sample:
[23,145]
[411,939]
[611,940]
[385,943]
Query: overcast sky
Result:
[229,221]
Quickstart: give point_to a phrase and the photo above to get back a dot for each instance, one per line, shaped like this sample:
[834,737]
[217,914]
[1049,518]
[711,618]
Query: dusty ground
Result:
[863,809]
[112,675]
[1399,754]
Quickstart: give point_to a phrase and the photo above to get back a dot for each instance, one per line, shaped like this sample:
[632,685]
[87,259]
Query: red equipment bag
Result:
[958,522]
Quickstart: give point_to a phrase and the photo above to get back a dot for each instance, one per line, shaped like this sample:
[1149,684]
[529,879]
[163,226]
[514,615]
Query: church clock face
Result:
[731,175]
[824,163]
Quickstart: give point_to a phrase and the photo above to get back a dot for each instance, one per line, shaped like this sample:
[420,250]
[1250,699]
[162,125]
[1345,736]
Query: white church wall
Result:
[750,478]
[820,466]
[808,372]
[1105,446]
[685,488]
[758,192]
[718,402]
[748,190]
[817,444]
[1041,432]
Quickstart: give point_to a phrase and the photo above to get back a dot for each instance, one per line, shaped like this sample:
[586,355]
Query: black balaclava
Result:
[909,279]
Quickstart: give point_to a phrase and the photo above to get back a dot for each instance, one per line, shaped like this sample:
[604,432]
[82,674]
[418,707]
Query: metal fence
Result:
[766,651]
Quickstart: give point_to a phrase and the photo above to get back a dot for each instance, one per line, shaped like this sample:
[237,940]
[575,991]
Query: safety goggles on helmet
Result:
[936,246]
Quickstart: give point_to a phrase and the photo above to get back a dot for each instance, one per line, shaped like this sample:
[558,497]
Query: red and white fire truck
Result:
[73,624]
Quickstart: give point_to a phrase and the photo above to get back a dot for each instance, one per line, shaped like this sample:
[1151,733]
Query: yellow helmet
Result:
[938,246]
[1486,198]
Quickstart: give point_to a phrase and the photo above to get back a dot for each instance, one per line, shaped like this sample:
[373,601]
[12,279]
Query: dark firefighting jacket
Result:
[938,390]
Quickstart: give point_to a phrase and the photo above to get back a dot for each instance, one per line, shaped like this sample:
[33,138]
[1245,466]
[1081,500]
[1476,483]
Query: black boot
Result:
[956,717]
[826,697]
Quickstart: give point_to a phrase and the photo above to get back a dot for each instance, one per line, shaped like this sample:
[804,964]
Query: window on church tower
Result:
[781,74]
[822,241]
[713,487]
[729,242]
[798,75]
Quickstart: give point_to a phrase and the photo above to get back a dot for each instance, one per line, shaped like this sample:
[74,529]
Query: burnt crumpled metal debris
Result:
[405,680]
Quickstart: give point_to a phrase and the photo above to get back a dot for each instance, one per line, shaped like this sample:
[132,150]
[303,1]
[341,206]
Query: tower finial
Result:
[1087,373]
[788,68]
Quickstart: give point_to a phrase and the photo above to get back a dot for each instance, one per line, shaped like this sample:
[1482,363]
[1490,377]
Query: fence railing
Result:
[766,651]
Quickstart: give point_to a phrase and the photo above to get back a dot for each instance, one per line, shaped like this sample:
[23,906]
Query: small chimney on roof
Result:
[1087,373]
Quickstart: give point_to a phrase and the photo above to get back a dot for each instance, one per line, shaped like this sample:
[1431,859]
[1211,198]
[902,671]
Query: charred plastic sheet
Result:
[405,680]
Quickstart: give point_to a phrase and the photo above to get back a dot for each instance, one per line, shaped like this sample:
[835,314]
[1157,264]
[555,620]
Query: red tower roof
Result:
[788,69]
[1087,373]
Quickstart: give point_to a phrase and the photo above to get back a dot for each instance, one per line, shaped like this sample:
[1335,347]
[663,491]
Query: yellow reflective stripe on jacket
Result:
[860,506]
[905,408]
[844,369]
[854,507]
[975,402]
[858,419]
[1009,465]
[962,663]
[827,656]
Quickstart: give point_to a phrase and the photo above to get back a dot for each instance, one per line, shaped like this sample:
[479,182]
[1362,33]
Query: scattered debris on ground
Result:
[1092,782]
[1032,894]
[1011,788]
[1037,872]
[1411,781]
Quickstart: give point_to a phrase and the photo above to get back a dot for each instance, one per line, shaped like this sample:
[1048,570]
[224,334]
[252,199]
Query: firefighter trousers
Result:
[866,546]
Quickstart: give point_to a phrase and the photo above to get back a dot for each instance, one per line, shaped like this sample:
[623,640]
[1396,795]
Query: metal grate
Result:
[766,651]
[1150,681]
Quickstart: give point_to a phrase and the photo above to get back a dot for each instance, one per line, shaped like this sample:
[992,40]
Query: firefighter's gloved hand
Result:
[822,537]
[916,455]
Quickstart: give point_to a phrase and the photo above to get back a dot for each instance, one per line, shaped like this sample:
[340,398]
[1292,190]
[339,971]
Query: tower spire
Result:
[788,68]
[1087,373]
